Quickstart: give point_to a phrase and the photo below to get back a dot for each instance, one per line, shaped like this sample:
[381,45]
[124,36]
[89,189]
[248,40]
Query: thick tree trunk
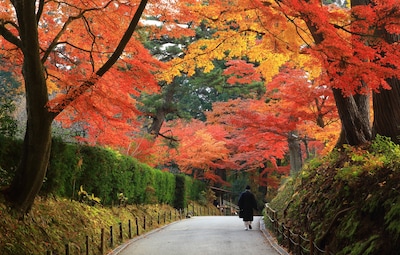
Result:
[387,102]
[33,165]
[353,110]
[387,112]
[354,116]
[37,143]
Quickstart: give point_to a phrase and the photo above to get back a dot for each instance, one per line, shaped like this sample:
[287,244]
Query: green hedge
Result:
[105,173]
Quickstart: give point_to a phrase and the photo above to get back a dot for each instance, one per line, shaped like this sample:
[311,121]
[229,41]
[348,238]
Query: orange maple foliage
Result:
[343,50]
[241,72]
[201,149]
[255,140]
[296,97]
[76,38]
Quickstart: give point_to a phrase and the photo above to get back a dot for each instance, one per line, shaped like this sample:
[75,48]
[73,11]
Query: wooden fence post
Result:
[137,226]
[67,249]
[87,245]
[299,249]
[311,246]
[111,237]
[130,229]
[120,232]
[102,242]
[144,222]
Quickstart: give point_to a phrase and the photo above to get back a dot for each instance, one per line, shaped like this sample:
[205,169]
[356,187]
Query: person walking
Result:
[247,202]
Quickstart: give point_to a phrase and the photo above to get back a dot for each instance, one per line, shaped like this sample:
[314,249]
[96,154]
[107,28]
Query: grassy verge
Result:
[55,225]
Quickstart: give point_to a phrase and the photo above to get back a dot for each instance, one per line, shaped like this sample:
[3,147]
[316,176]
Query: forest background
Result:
[265,84]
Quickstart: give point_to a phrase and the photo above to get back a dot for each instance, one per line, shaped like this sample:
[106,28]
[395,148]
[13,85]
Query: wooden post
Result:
[311,246]
[299,244]
[67,249]
[120,232]
[158,218]
[137,226]
[144,222]
[165,217]
[102,242]
[130,229]
[49,253]
[111,237]
[87,245]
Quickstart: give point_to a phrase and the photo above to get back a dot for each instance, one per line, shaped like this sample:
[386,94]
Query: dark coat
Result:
[247,202]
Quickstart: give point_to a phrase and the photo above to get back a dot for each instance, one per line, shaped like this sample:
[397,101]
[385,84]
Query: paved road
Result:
[202,235]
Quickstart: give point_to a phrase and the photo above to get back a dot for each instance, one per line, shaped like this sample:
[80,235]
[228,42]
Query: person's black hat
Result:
[248,187]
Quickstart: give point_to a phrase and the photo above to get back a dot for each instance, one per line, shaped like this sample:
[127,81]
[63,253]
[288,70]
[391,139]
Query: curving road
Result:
[202,235]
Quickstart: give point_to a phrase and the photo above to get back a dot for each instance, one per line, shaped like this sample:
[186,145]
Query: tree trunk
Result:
[355,124]
[37,143]
[162,111]
[296,161]
[387,112]
[387,102]
[353,110]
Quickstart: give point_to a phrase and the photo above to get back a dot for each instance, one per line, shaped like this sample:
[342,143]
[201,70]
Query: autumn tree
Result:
[65,48]
[200,150]
[311,105]
[353,51]
[357,49]
[188,96]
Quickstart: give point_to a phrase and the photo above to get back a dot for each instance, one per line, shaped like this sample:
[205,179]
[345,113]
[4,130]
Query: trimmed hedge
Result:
[105,173]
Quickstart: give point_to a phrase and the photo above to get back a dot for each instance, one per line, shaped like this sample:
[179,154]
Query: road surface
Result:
[201,235]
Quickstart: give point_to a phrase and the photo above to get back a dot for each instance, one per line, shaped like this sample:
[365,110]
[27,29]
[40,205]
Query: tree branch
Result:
[39,11]
[10,37]
[70,19]
[74,94]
